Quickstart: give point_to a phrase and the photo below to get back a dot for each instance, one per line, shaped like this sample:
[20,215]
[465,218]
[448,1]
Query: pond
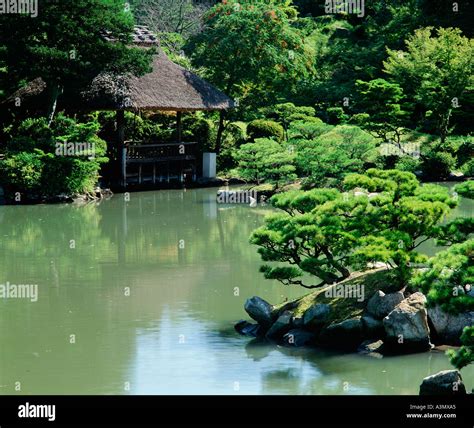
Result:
[140,296]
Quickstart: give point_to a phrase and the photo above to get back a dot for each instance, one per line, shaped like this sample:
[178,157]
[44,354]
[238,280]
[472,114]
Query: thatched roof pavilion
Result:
[168,87]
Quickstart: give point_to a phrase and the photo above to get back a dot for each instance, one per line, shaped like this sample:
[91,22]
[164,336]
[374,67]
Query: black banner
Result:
[381,411]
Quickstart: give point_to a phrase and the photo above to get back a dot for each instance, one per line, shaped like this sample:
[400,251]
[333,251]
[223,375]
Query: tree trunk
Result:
[445,126]
[54,91]
[335,264]
[220,131]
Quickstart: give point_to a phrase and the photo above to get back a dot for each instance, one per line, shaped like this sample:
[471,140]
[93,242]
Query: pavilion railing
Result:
[161,152]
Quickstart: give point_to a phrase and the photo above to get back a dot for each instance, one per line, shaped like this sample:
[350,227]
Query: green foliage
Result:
[250,49]
[30,134]
[43,167]
[351,49]
[455,231]
[465,354]
[468,168]
[435,71]
[380,99]
[408,164]
[465,151]
[382,102]
[325,233]
[70,176]
[326,159]
[64,44]
[336,115]
[157,127]
[359,119]
[197,128]
[466,189]
[22,170]
[235,134]
[307,130]
[287,112]
[437,164]
[265,161]
[136,128]
[449,278]
[265,129]
[300,117]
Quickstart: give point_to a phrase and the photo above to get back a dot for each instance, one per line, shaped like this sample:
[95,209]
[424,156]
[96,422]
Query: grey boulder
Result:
[446,382]
[417,300]
[370,346]
[449,327]
[260,310]
[280,326]
[381,304]
[406,326]
[317,315]
[373,328]
[298,337]
[248,329]
[347,334]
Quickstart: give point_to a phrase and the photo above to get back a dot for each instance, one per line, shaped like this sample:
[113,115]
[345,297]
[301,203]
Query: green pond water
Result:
[140,297]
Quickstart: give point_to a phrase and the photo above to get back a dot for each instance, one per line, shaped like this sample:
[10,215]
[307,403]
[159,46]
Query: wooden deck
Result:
[155,164]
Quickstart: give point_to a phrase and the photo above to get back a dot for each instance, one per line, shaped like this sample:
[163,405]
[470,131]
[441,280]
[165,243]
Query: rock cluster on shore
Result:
[385,321]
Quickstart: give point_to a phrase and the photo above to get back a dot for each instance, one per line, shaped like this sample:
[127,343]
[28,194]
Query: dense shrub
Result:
[196,128]
[303,118]
[33,133]
[260,128]
[437,165]
[236,132]
[326,159]
[234,136]
[308,130]
[69,176]
[449,278]
[265,160]
[359,119]
[336,115]
[465,152]
[22,170]
[408,163]
[468,168]
[466,189]
[53,169]
[287,112]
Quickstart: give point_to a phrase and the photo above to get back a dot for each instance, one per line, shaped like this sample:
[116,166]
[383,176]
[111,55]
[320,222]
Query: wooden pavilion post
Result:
[122,150]
[179,127]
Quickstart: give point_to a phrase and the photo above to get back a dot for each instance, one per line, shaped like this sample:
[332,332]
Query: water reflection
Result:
[150,288]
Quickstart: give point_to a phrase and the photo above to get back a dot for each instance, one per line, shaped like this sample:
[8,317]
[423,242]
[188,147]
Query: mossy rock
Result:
[344,308]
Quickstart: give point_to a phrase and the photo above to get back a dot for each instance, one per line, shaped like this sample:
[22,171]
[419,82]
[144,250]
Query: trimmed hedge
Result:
[261,128]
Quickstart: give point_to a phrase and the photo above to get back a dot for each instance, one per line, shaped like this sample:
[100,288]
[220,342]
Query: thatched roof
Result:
[168,87]
[35,87]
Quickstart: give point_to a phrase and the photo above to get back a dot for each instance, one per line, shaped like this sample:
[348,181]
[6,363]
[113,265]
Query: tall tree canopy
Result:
[173,16]
[251,47]
[324,233]
[436,70]
[65,44]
